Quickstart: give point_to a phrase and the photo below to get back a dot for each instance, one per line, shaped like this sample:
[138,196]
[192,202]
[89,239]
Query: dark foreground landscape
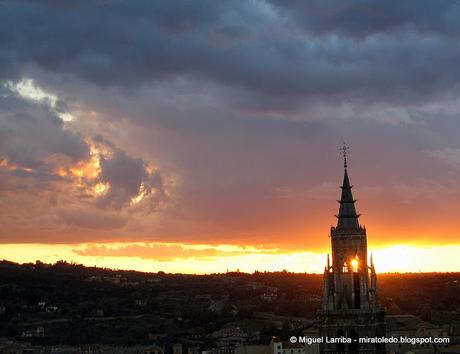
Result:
[75,306]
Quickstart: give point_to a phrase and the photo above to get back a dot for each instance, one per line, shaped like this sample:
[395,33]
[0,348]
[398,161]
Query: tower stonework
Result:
[350,306]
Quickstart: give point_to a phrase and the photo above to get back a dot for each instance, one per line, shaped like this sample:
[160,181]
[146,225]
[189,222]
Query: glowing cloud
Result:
[27,89]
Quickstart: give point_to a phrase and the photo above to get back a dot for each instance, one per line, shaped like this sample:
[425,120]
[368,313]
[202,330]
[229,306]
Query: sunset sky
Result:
[201,136]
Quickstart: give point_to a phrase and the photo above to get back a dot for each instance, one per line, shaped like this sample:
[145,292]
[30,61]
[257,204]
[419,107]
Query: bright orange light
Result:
[354,264]
[11,167]
[61,172]
[138,198]
[247,258]
[101,188]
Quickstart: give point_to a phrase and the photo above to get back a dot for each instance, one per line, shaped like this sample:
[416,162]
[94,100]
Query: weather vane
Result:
[344,150]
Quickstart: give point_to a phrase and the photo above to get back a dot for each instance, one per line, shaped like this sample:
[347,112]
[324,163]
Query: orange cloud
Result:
[168,252]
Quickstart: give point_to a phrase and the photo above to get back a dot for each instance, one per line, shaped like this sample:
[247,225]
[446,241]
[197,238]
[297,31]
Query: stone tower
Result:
[351,306]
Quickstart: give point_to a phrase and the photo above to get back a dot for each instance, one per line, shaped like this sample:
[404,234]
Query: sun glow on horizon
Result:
[205,259]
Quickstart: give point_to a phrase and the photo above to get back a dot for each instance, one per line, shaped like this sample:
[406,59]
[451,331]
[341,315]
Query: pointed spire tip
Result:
[344,150]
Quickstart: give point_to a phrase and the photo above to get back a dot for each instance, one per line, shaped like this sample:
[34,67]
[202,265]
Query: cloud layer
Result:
[219,122]
[363,49]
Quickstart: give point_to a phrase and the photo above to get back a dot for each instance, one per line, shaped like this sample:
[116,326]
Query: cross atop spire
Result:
[344,150]
[347,217]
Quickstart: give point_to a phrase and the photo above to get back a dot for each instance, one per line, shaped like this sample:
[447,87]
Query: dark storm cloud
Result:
[92,218]
[32,132]
[128,177]
[272,48]
[125,175]
[360,18]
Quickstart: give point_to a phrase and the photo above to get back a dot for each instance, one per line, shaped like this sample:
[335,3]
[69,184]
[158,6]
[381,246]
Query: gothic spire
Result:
[347,217]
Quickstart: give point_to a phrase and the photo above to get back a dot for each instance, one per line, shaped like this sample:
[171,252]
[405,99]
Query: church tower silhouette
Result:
[350,306]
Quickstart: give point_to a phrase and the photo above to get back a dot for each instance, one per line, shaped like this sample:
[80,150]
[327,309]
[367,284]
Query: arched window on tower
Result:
[355,264]
[345,267]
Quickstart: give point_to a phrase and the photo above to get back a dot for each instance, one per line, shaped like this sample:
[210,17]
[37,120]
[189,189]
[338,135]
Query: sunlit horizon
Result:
[206,259]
